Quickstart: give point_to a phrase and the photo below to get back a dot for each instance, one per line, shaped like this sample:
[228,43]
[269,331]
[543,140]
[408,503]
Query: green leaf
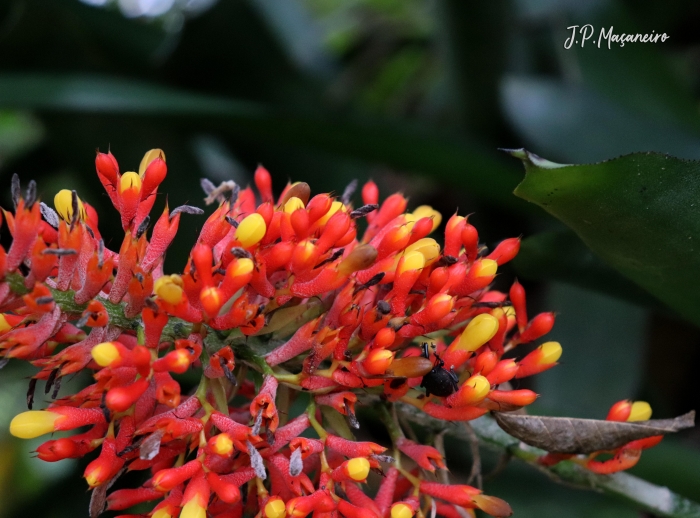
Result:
[640,213]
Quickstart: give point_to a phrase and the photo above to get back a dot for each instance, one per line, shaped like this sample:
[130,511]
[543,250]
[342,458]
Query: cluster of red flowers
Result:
[278,299]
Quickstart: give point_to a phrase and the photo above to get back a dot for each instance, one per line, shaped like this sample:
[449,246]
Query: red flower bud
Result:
[263,181]
[538,326]
[505,251]
[426,457]
[167,479]
[120,399]
[226,491]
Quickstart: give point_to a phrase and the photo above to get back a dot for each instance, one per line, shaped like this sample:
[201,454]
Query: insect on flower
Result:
[439,381]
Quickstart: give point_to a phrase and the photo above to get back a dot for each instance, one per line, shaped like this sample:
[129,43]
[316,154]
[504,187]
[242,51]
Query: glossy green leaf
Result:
[640,213]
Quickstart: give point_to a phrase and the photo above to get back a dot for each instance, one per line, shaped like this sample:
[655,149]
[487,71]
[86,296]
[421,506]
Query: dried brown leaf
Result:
[569,435]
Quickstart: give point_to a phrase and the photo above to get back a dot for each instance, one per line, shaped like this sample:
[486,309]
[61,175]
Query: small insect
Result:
[439,381]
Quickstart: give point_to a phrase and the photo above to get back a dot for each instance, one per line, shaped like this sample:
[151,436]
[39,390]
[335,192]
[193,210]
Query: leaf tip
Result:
[530,159]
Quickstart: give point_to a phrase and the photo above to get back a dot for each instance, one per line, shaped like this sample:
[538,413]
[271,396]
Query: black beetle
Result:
[439,381]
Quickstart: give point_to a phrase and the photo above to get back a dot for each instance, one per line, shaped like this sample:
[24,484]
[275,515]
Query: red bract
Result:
[286,288]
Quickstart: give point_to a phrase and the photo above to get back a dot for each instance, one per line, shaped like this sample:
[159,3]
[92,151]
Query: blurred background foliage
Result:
[416,94]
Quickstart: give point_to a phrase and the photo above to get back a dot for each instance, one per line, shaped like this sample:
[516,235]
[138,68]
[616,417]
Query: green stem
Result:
[217,388]
[657,500]
[311,412]
[388,419]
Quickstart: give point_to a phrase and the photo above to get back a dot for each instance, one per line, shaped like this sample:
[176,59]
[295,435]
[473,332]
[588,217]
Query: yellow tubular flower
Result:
[251,230]
[335,207]
[640,411]
[480,385]
[4,324]
[222,445]
[105,354]
[193,509]
[293,204]
[149,157]
[426,211]
[358,469]
[551,352]
[401,510]
[428,247]
[411,261]
[275,508]
[169,289]
[33,423]
[485,268]
[479,331]
[242,267]
[128,181]
[63,202]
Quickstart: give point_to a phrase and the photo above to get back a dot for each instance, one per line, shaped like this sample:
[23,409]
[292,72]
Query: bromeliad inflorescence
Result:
[280,301]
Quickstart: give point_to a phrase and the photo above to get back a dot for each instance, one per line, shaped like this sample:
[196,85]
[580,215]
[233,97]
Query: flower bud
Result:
[212,300]
[263,181]
[505,251]
[401,510]
[226,491]
[293,204]
[221,444]
[148,157]
[361,258]
[513,398]
[453,231]
[543,358]
[538,326]
[34,423]
[318,206]
[63,202]
[503,371]
[169,289]
[370,193]
[110,354]
[426,211]
[335,207]
[55,450]
[251,230]
[357,469]
[640,411]
[620,411]
[177,361]
[120,399]
[410,261]
[167,479]
[130,181]
[275,508]
[472,391]
[377,361]
[479,331]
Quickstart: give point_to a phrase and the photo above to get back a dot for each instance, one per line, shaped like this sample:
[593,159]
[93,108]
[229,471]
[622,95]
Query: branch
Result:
[657,500]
